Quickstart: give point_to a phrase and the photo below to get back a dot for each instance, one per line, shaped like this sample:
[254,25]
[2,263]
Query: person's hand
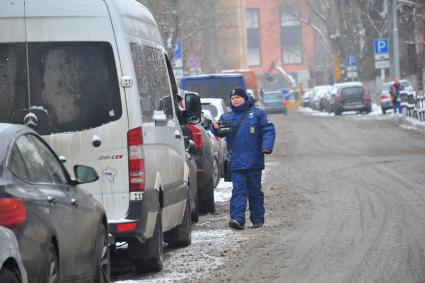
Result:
[265,151]
[216,124]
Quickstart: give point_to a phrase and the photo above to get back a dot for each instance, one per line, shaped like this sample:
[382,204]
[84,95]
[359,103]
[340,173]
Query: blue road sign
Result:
[381,46]
[178,50]
[350,61]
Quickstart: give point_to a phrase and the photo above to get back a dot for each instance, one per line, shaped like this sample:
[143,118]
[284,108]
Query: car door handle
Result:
[51,200]
[74,202]
[177,134]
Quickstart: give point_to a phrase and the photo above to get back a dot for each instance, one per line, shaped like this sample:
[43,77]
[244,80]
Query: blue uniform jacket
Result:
[255,133]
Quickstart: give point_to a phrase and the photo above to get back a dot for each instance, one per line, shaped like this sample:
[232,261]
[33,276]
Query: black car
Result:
[61,230]
[203,154]
[352,97]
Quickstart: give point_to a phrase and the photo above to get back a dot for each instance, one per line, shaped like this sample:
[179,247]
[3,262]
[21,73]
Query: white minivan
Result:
[93,78]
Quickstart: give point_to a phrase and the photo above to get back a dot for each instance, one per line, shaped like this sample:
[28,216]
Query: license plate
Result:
[136,196]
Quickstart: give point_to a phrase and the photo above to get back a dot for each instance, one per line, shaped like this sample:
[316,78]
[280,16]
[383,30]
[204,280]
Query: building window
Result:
[290,34]
[253,37]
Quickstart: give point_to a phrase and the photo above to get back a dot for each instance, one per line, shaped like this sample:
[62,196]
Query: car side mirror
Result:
[193,106]
[85,174]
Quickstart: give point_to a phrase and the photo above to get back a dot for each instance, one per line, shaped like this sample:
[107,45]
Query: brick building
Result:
[277,33]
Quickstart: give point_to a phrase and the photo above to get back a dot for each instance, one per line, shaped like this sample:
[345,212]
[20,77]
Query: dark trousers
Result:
[396,107]
[247,187]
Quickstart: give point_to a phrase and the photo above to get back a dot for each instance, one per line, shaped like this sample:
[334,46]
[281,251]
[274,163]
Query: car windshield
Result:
[272,96]
[386,87]
[352,90]
[211,108]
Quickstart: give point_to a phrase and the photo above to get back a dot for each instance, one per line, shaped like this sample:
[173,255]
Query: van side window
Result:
[153,83]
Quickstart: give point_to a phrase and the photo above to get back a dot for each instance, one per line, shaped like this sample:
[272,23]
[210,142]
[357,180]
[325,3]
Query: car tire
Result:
[181,235]
[195,212]
[338,112]
[384,111]
[52,265]
[9,276]
[154,249]
[103,265]
[206,198]
[215,172]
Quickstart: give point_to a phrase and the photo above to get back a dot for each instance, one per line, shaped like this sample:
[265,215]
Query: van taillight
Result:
[338,98]
[12,212]
[136,161]
[197,137]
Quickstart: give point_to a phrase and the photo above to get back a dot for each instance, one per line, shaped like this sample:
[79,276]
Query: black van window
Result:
[13,82]
[73,85]
[153,84]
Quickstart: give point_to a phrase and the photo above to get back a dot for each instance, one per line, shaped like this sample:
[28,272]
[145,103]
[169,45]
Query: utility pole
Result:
[396,58]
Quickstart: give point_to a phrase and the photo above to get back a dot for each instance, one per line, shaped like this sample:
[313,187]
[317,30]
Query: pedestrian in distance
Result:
[249,136]
[395,90]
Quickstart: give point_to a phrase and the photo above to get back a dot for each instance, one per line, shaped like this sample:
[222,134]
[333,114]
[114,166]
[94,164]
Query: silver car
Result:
[11,267]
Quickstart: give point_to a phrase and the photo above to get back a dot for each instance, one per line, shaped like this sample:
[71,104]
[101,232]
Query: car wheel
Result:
[52,265]
[181,235]
[195,212]
[103,266]
[215,172]
[338,112]
[154,249]
[8,276]
[384,111]
[206,198]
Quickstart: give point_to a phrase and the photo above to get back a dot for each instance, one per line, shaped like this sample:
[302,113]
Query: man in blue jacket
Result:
[250,137]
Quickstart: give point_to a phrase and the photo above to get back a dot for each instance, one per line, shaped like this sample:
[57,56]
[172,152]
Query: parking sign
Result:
[381,49]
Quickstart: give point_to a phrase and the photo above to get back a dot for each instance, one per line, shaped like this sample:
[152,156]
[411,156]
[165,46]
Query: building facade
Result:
[279,41]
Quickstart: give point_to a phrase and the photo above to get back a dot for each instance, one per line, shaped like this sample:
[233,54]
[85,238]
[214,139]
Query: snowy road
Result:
[345,202]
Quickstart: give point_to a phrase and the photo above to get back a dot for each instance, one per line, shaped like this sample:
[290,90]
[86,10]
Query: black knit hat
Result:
[239,92]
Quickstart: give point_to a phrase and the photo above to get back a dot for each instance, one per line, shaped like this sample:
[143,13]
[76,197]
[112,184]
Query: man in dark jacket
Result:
[395,90]
[251,136]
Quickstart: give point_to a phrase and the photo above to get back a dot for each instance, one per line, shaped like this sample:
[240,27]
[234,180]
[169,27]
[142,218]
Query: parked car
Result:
[102,96]
[216,106]
[12,269]
[352,96]
[220,147]
[385,98]
[274,102]
[319,92]
[206,164]
[306,99]
[330,101]
[192,180]
[62,230]
[213,85]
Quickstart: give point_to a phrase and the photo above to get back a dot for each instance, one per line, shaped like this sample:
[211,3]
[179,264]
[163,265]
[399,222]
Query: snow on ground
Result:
[223,191]
[212,241]
[376,113]
[206,253]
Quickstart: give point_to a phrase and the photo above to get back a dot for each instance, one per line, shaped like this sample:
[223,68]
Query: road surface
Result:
[345,202]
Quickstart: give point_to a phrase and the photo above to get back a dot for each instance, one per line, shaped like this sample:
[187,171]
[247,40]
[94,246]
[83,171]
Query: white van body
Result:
[94,71]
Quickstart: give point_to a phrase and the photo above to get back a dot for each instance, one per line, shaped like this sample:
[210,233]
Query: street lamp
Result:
[396,58]
[396,44]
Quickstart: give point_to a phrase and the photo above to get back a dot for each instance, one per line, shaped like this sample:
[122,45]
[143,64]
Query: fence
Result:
[412,107]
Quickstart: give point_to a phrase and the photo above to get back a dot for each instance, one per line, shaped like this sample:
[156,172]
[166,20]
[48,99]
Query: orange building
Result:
[278,36]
